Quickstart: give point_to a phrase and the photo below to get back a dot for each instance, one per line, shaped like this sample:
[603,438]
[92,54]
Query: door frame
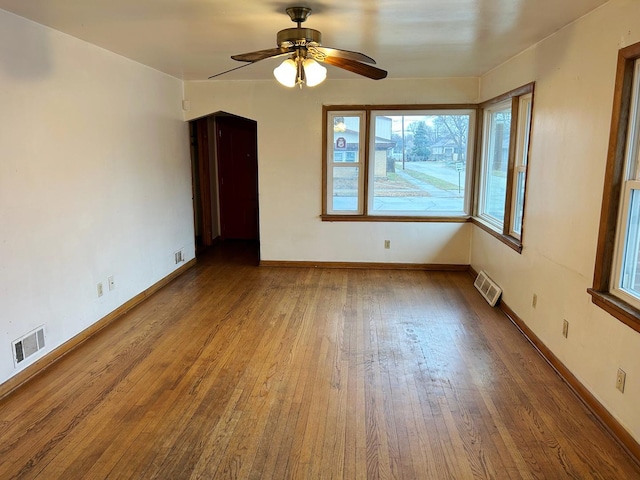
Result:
[205,189]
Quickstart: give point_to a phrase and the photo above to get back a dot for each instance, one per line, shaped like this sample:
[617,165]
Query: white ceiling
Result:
[193,39]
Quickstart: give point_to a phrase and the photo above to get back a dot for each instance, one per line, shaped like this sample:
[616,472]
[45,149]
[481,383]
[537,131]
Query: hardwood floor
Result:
[238,371]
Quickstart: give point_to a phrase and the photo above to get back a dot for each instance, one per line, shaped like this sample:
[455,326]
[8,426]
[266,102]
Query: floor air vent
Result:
[26,346]
[488,288]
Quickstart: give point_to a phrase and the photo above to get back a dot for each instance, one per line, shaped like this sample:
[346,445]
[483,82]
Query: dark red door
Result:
[237,177]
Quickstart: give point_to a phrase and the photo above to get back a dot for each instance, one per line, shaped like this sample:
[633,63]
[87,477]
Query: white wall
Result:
[290,168]
[94,181]
[574,72]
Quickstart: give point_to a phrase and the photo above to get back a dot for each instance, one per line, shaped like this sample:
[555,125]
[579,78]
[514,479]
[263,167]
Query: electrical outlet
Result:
[387,244]
[565,329]
[112,283]
[100,291]
[534,301]
[621,377]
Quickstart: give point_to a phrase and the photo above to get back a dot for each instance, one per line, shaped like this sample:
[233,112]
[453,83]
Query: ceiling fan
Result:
[304,49]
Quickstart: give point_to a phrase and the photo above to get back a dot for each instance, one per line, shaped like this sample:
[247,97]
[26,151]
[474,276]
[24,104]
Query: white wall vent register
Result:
[26,346]
[488,288]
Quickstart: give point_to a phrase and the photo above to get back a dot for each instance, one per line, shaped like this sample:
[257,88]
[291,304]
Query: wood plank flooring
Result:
[238,371]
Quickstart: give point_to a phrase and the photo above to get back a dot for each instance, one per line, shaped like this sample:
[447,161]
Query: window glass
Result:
[418,163]
[520,167]
[630,274]
[346,181]
[345,148]
[518,204]
[495,162]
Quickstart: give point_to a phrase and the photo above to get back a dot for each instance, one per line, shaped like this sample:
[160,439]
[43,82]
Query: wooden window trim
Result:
[612,190]
[508,240]
[393,218]
[623,311]
[365,170]
[325,115]
[516,92]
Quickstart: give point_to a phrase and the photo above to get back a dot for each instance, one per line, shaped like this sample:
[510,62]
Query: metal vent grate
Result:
[487,288]
[26,346]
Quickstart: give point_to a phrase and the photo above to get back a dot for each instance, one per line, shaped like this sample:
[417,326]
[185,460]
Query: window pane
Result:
[345,183]
[519,203]
[496,160]
[346,138]
[524,129]
[629,275]
[633,138]
[418,163]
[521,159]
[345,156]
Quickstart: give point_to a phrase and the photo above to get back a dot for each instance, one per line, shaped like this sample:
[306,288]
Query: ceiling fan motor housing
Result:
[298,37]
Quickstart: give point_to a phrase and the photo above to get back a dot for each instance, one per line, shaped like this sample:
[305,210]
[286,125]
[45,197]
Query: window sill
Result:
[509,241]
[620,309]
[392,218]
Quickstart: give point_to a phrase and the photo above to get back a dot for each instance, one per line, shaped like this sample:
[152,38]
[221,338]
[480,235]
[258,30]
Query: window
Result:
[495,162]
[520,167]
[393,164]
[626,279]
[502,171]
[345,171]
[418,163]
[616,282]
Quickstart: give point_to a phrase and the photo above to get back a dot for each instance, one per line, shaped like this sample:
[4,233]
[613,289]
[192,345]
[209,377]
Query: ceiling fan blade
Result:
[230,70]
[338,52]
[357,67]
[262,54]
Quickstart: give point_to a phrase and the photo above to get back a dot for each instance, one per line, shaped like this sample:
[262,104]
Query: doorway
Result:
[236,142]
[225,179]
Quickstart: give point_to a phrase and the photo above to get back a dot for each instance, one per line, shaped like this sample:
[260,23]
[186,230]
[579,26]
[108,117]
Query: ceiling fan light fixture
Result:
[314,72]
[298,71]
[286,73]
